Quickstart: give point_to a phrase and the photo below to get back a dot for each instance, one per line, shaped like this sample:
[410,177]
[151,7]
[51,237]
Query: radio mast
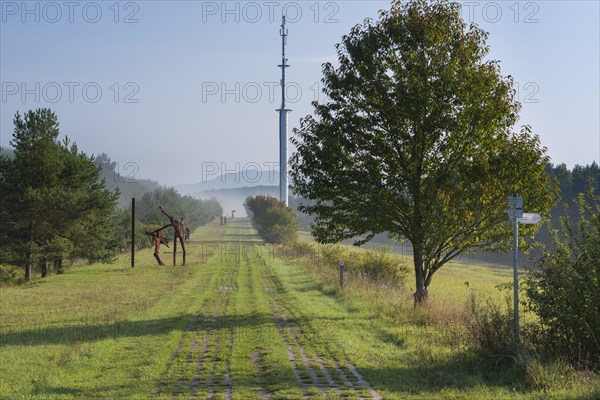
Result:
[283,112]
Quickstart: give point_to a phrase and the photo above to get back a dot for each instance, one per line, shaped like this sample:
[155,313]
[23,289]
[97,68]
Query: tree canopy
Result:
[415,139]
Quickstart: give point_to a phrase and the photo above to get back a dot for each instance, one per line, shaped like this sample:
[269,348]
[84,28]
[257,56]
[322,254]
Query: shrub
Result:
[274,222]
[381,265]
[565,292]
[377,264]
[10,275]
[333,254]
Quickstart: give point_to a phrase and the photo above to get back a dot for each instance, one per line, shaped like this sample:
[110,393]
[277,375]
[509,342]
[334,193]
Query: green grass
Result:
[100,331]
[402,358]
[244,324]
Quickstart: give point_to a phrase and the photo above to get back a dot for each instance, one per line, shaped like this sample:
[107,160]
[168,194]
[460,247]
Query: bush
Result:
[381,265]
[565,292]
[10,275]
[274,222]
[377,264]
[333,255]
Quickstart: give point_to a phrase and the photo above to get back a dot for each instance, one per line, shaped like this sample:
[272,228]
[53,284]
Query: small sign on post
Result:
[342,266]
[516,201]
[530,218]
[515,204]
[517,211]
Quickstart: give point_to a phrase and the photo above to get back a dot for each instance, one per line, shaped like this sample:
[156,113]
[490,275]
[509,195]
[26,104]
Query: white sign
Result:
[515,200]
[530,218]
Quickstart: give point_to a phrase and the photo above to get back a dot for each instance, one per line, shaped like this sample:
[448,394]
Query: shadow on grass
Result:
[33,335]
[465,372]
[460,372]
[44,389]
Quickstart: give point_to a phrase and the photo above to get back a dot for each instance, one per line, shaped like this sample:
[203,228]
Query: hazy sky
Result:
[177,88]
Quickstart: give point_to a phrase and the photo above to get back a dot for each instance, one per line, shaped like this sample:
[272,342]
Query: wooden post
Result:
[132,232]
[342,275]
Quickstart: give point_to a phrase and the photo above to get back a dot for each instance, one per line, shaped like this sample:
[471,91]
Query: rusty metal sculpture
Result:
[156,239]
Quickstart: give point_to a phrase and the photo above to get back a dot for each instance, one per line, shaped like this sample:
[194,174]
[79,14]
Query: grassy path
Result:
[247,341]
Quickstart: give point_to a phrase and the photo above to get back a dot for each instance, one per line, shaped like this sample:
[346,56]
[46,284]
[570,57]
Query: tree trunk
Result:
[58,267]
[28,267]
[420,294]
[28,255]
[43,267]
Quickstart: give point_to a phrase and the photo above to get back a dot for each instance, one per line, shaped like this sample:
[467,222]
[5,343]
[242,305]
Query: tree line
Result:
[572,182]
[56,206]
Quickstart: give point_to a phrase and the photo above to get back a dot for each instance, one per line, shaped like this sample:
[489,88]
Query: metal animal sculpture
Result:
[156,239]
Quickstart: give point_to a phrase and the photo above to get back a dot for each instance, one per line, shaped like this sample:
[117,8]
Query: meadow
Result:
[243,321]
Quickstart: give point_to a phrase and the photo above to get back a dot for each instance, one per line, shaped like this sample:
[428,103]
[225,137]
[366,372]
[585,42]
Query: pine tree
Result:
[55,204]
[31,174]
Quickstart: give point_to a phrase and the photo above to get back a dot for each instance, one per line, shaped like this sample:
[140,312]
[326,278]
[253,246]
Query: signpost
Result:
[516,215]
[342,275]
[515,212]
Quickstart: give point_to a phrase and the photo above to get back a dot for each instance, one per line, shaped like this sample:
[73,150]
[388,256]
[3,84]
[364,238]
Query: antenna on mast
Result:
[283,186]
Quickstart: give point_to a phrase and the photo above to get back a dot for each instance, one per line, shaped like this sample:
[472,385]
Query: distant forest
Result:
[578,180]
[129,185]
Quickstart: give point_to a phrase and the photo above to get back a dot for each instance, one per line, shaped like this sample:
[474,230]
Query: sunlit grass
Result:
[108,331]
[99,331]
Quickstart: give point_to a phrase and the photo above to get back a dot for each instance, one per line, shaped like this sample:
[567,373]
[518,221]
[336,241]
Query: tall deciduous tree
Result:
[414,140]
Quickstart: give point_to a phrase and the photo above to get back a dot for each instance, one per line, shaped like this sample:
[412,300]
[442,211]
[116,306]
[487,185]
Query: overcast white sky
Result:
[176,86]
